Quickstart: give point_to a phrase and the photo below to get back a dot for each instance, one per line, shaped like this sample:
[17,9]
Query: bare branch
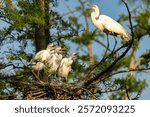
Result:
[129,70]
[70,12]
[14,67]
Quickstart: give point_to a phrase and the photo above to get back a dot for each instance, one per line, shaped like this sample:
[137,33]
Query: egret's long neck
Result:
[71,57]
[96,13]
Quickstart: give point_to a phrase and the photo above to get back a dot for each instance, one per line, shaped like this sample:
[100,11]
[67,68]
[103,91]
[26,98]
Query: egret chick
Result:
[65,66]
[39,66]
[107,24]
[43,55]
[55,59]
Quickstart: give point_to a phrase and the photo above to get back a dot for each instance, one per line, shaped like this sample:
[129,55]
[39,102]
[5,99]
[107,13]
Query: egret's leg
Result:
[60,79]
[104,57]
[107,40]
[115,44]
[65,79]
[38,74]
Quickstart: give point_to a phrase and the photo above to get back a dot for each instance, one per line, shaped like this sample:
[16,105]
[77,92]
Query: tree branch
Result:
[31,71]
[102,44]
[128,70]
[14,67]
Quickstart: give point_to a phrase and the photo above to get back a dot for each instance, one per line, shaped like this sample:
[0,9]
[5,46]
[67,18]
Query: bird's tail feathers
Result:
[127,36]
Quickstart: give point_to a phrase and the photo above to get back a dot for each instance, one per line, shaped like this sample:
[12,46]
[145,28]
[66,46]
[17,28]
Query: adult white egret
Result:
[43,55]
[65,66]
[107,24]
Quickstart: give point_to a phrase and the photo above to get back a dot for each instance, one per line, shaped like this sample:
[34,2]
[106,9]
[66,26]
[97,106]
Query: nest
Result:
[51,91]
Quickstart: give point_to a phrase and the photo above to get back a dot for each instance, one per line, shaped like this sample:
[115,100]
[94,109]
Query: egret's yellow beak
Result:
[91,5]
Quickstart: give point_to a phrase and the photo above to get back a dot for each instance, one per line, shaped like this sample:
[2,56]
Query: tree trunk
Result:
[42,31]
[132,65]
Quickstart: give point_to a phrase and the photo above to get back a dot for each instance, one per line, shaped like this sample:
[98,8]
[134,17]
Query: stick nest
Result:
[51,91]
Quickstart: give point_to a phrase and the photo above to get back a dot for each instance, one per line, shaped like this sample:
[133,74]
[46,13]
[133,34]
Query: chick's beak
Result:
[63,49]
[53,45]
[76,55]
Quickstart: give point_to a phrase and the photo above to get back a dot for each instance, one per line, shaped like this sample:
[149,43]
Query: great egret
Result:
[65,66]
[107,24]
[44,54]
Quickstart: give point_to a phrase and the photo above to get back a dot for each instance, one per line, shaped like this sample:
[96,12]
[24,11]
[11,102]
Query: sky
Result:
[114,10]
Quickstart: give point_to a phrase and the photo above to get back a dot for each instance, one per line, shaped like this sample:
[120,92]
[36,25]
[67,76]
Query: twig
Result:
[31,71]
[128,70]
[69,9]
[102,44]
[127,92]
[70,12]
[3,67]
[130,21]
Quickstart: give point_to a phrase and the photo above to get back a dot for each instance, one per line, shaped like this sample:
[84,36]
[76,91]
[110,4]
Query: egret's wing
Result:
[111,25]
[62,62]
[60,69]
[39,54]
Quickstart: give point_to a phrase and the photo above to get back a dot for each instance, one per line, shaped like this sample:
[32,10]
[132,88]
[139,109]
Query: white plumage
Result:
[37,67]
[65,66]
[44,55]
[108,25]
[40,60]
[55,60]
